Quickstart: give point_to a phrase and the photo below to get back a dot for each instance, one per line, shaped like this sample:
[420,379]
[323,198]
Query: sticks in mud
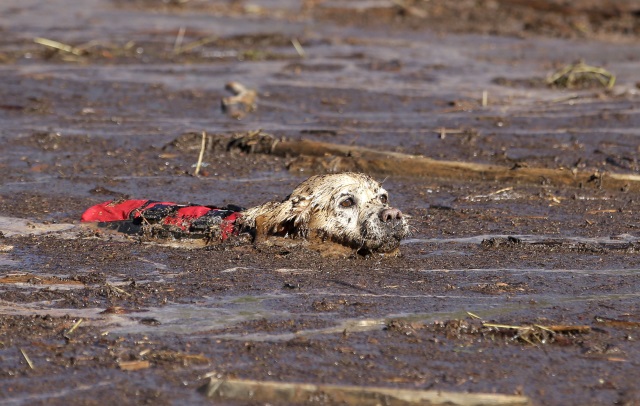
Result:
[335,158]
[246,390]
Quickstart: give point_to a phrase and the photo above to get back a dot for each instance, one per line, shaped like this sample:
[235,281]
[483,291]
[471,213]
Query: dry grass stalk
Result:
[117,289]
[201,155]
[537,334]
[59,46]
[195,44]
[617,323]
[26,358]
[73,328]
[179,38]
[475,316]
[298,47]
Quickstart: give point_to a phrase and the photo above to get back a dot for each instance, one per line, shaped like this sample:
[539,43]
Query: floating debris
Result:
[581,76]
[133,365]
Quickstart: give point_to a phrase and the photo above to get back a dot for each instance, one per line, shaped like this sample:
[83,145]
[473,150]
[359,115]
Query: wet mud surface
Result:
[501,288]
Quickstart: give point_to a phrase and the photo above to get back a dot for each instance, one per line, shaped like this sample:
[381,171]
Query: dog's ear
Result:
[301,208]
[290,217]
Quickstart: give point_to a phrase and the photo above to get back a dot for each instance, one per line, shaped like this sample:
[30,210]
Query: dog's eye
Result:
[348,202]
[383,199]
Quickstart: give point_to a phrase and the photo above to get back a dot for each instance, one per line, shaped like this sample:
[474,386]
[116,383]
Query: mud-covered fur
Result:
[350,209]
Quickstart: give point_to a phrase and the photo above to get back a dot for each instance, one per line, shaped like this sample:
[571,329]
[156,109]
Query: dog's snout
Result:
[390,214]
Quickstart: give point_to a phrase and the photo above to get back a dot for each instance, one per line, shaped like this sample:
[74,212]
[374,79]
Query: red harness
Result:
[171,219]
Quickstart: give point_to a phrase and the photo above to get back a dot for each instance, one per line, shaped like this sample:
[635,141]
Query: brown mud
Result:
[503,287]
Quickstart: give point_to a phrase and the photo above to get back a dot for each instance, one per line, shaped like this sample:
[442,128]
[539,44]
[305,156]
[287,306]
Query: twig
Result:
[616,322]
[58,45]
[84,48]
[497,192]
[72,329]
[549,329]
[133,365]
[298,47]
[179,38]
[505,326]
[26,358]
[475,316]
[195,44]
[443,133]
[204,142]
[117,289]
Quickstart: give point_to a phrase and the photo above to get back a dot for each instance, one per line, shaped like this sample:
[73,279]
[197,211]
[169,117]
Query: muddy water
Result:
[107,119]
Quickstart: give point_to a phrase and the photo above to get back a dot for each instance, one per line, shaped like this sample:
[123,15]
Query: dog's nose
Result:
[390,214]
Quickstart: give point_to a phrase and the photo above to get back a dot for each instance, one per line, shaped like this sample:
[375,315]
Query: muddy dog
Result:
[336,214]
[348,209]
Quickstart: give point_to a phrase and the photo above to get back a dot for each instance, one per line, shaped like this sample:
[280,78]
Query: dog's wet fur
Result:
[337,214]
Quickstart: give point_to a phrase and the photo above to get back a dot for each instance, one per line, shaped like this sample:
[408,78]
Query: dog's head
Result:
[350,209]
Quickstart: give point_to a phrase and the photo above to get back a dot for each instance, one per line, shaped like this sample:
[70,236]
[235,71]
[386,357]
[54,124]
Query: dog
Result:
[337,214]
[348,209]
